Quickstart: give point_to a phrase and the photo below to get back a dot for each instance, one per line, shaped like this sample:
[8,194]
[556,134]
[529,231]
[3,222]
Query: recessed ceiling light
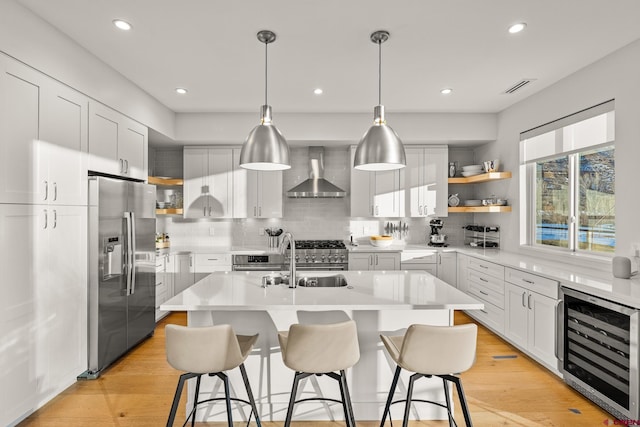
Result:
[516,28]
[181,90]
[317,91]
[123,25]
[446,91]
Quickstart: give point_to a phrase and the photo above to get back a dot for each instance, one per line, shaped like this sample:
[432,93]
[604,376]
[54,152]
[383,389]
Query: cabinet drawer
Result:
[487,294]
[490,316]
[532,282]
[207,263]
[489,268]
[485,281]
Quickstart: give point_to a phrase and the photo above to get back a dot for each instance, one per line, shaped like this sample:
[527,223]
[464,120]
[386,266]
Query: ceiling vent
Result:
[516,87]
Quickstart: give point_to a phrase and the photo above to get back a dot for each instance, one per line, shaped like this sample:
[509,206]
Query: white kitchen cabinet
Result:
[43,138]
[208,183]
[462,267]
[485,281]
[440,264]
[377,194]
[204,264]
[117,144]
[374,260]
[43,325]
[164,281]
[257,194]
[447,267]
[530,316]
[425,180]
[183,273]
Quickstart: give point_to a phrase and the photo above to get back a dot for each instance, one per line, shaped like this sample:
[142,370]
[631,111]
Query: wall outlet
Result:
[212,231]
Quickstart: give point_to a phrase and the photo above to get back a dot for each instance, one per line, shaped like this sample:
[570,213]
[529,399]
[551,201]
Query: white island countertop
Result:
[366,290]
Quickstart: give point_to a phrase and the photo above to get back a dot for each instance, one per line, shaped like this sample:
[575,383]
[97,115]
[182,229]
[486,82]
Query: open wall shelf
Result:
[485,177]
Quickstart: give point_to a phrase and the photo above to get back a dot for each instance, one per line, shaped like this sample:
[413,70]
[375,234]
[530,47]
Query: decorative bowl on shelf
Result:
[473,168]
[472,173]
[381,241]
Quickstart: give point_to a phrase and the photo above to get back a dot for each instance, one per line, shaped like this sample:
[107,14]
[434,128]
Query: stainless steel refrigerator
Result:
[122,226]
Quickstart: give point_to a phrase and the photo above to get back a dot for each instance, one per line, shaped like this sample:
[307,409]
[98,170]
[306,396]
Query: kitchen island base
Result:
[369,380]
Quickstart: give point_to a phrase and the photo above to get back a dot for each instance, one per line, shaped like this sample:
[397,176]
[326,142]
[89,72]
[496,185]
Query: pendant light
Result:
[265,147]
[380,148]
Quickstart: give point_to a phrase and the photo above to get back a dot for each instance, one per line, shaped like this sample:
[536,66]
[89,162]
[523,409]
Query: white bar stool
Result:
[440,351]
[321,350]
[208,351]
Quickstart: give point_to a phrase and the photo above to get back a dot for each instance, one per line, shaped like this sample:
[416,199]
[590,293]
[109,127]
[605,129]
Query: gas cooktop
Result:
[319,244]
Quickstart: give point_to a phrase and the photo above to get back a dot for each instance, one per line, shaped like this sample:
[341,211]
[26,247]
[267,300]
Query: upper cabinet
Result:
[117,144]
[426,180]
[477,179]
[208,191]
[43,138]
[377,194]
[257,194]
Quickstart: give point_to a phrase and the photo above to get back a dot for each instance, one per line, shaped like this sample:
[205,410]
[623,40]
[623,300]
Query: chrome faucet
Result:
[287,236]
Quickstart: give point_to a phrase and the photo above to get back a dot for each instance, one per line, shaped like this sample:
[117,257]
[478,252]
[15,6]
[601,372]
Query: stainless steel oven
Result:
[598,351]
[271,262]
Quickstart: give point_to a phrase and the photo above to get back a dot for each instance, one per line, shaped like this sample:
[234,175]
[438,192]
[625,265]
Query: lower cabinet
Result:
[443,265]
[183,273]
[164,281]
[374,261]
[204,264]
[530,316]
[485,281]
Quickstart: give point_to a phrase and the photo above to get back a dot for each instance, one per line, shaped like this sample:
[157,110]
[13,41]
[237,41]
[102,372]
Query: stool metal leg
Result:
[407,407]
[346,400]
[292,399]
[448,401]
[461,396]
[225,381]
[252,401]
[176,397]
[195,402]
[387,407]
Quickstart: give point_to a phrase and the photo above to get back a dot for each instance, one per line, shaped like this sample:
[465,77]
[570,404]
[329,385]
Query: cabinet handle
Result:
[209,210]
[46,219]
[484,293]
[255,211]
[528,281]
[420,210]
[376,259]
[190,262]
[46,190]
[204,211]
[370,259]
[483,311]
[260,211]
[55,218]
[55,191]
[483,266]
[483,279]
[372,210]
[529,302]
[523,294]
[126,166]
[121,165]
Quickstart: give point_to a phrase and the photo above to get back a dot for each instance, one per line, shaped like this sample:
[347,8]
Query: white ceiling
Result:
[210,47]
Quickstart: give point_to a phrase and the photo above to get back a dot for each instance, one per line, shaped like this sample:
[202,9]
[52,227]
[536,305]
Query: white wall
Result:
[29,39]
[613,77]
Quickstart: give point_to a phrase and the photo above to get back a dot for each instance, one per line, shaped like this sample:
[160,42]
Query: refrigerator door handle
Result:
[128,251]
[132,263]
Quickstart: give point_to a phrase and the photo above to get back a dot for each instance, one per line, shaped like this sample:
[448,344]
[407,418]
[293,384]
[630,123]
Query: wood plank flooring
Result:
[137,392]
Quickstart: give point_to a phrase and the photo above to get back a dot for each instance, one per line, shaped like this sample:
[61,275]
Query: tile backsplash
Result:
[322,218]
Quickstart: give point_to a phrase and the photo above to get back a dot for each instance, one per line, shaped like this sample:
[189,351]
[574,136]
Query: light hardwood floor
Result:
[138,390]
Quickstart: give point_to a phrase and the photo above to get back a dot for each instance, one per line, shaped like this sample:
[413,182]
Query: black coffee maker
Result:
[435,238]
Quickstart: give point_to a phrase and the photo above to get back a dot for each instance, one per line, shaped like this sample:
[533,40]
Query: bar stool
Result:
[321,350]
[440,351]
[208,351]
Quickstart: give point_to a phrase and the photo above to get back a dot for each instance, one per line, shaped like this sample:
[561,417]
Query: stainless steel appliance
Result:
[329,255]
[270,262]
[122,226]
[435,238]
[598,351]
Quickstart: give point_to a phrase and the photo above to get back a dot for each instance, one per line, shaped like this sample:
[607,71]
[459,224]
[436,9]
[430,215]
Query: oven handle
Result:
[264,267]
[559,347]
[325,268]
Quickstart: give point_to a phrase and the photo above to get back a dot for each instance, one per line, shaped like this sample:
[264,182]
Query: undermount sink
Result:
[336,281]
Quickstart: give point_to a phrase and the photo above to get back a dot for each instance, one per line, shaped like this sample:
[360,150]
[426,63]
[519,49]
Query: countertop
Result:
[366,290]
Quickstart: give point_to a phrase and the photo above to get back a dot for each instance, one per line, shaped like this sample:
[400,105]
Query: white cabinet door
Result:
[542,327]
[361,261]
[63,144]
[20,227]
[462,268]
[196,182]
[184,276]
[447,267]
[257,194]
[386,261]
[117,144]
[426,181]
[517,314]
[20,92]
[377,194]
[220,202]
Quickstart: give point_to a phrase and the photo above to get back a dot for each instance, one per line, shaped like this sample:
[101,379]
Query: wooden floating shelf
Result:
[480,209]
[485,177]
[170,211]
[156,180]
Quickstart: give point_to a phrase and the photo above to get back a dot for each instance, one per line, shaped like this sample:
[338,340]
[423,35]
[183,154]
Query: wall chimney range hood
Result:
[316,185]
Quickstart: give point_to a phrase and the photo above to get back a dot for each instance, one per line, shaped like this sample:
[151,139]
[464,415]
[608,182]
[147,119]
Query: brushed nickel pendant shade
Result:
[265,147]
[380,148]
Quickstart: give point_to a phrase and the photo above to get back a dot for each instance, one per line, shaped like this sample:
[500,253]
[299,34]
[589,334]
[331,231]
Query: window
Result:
[569,189]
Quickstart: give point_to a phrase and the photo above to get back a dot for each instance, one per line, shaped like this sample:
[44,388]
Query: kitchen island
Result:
[379,302]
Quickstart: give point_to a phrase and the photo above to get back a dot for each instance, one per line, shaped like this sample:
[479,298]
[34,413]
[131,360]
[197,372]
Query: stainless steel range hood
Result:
[316,185]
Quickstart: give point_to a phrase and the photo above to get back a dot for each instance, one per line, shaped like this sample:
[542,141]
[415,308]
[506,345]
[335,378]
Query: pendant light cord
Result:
[266,80]
[379,72]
